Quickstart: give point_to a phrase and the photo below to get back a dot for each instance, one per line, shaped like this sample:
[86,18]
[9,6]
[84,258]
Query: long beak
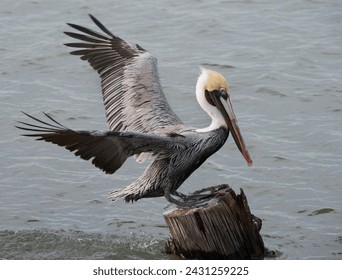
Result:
[226,109]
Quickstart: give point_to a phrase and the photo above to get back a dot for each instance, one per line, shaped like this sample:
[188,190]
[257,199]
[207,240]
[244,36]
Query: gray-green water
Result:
[283,61]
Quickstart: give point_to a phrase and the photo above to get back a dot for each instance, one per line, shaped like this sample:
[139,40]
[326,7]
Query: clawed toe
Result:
[189,201]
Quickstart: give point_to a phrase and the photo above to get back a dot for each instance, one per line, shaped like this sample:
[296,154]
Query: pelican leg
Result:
[181,195]
[193,197]
[186,201]
[169,198]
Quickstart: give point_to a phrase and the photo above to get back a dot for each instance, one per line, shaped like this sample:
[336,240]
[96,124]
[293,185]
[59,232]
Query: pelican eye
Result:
[224,93]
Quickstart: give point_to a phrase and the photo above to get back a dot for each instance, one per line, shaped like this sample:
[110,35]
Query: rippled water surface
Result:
[283,61]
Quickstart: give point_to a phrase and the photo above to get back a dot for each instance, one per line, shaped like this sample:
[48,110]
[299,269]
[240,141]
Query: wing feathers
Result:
[108,150]
[101,26]
[85,38]
[88,31]
[132,95]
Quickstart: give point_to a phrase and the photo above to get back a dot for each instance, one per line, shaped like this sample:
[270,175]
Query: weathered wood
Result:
[220,226]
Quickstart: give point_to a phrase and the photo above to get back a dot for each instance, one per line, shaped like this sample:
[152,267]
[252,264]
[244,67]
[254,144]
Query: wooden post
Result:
[220,226]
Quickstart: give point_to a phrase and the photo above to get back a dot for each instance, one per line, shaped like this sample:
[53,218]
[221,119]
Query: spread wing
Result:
[132,94]
[108,150]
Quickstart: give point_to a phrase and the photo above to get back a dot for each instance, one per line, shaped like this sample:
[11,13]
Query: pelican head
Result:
[213,95]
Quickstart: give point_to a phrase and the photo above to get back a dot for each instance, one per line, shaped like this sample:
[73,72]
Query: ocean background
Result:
[283,62]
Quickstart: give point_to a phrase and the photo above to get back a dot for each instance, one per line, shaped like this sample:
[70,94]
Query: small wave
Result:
[50,245]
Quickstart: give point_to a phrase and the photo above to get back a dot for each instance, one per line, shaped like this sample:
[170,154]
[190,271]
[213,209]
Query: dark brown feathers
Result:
[108,150]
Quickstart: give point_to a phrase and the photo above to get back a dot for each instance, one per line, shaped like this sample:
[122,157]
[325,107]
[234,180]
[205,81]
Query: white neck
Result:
[217,119]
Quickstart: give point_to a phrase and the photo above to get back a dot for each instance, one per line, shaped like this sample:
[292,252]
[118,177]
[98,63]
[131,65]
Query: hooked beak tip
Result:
[247,157]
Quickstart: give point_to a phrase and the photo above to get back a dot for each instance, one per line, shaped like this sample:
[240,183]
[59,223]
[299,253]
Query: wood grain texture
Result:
[220,227]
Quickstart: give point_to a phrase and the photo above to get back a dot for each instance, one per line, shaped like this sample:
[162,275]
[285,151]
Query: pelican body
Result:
[141,122]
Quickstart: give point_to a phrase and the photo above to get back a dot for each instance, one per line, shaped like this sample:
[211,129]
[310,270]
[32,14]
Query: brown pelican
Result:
[140,119]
